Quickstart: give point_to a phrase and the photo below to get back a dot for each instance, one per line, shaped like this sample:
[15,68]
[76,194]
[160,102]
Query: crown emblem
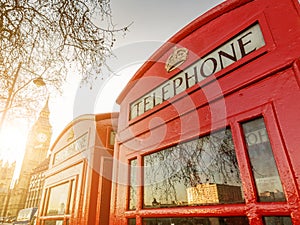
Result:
[70,135]
[178,57]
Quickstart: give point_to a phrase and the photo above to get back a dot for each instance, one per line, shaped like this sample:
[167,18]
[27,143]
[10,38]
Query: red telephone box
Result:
[78,183]
[208,129]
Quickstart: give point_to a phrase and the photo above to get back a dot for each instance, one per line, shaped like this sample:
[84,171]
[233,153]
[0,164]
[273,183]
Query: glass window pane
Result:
[131,221]
[71,197]
[201,171]
[112,137]
[58,200]
[262,161]
[197,221]
[54,222]
[277,220]
[133,185]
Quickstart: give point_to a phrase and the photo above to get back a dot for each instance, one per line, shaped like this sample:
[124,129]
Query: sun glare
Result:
[12,142]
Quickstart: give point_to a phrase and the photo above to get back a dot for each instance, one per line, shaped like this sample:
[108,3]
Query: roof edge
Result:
[202,20]
[94,117]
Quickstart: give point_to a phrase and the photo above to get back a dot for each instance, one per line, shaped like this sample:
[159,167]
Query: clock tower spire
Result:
[38,142]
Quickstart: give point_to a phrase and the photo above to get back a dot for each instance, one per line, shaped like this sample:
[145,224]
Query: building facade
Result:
[208,126]
[36,151]
[36,185]
[6,177]
[77,185]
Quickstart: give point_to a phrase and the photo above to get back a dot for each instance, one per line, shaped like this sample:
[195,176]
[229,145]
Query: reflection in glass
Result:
[197,221]
[70,209]
[277,220]
[133,185]
[54,222]
[201,171]
[58,200]
[131,221]
[262,161]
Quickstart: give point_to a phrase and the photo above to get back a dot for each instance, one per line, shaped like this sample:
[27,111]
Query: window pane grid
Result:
[198,172]
[205,171]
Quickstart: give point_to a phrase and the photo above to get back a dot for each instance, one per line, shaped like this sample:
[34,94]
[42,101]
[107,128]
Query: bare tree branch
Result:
[49,37]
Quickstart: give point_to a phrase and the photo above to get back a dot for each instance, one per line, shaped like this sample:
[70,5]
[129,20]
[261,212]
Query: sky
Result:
[152,23]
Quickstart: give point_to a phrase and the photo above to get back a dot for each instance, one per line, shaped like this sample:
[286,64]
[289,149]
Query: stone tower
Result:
[37,146]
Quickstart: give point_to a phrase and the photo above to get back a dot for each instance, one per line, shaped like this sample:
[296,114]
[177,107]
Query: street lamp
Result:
[38,82]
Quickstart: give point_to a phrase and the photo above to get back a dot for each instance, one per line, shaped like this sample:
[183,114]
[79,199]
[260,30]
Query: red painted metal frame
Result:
[264,83]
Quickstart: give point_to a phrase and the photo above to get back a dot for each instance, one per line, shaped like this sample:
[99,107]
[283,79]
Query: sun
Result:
[12,142]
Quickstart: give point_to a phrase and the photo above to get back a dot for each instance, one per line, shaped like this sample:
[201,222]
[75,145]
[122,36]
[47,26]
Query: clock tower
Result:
[37,146]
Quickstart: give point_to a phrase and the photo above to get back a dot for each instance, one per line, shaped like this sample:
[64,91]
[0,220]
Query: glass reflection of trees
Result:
[205,167]
[133,185]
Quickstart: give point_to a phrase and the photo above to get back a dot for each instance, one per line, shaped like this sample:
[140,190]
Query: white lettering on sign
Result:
[250,40]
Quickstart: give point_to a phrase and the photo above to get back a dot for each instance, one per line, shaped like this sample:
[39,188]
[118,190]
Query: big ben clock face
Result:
[42,137]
